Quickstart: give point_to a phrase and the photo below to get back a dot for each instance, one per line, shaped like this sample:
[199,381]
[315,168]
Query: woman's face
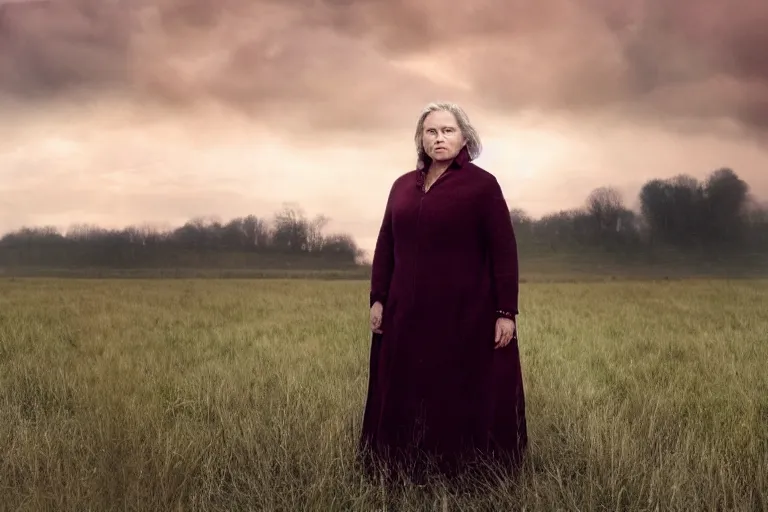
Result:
[442,137]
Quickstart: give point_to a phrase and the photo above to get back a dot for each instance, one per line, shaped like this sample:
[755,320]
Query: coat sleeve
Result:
[502,247]
[383,256]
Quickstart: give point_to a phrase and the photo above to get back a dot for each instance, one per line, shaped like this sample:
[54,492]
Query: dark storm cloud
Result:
[326,61]
[47,47]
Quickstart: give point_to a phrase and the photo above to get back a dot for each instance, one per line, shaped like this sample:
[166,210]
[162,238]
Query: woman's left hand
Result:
[505,329]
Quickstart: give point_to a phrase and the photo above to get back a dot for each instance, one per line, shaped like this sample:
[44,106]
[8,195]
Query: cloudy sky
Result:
[119,112]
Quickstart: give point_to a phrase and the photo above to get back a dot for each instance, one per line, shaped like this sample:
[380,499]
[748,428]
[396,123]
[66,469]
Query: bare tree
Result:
[605,205]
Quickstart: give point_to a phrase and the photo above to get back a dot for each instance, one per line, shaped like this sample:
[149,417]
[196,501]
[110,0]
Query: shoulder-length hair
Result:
[474,146]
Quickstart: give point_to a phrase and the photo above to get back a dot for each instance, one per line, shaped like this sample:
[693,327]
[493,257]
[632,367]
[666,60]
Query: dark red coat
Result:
[445,268]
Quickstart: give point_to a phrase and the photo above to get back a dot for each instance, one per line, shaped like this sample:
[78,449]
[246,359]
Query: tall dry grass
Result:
[232,395]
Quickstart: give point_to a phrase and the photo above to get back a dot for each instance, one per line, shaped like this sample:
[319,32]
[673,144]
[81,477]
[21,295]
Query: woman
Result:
[445,384]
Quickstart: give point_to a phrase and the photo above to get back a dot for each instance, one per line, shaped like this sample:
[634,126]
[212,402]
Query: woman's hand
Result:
[505,329]
[377,312]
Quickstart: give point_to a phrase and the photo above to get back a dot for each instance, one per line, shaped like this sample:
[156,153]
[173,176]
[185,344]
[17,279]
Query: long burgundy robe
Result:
[445,268]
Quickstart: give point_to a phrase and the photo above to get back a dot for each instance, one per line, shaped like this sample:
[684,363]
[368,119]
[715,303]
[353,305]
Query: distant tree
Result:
[291,232]
[605,205]
[724,209]
[256,231]
[756,215]
[341,246]
[523,225]
[672,209]
[564,228]
[198,233]
[85,232]
[654,208]
[685,213]
[315,238]
[520,217]
[613,224]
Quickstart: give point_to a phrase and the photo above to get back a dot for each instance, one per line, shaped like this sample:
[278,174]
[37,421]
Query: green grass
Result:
[248,394]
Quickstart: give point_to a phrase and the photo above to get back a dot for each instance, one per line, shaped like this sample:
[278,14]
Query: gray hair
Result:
[474,146]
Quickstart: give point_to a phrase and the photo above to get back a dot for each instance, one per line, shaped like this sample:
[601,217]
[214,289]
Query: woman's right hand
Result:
[377,312]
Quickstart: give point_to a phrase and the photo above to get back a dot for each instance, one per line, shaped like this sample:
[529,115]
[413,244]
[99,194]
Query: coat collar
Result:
[459,161]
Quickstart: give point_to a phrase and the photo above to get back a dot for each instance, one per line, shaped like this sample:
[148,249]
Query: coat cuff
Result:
[377,297]
[501,313]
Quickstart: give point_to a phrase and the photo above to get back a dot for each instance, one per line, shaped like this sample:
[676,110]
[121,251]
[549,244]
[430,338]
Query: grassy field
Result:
[248,394]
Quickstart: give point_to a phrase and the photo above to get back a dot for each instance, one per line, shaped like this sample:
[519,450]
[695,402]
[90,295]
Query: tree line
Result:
[288,239]
[715,216]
